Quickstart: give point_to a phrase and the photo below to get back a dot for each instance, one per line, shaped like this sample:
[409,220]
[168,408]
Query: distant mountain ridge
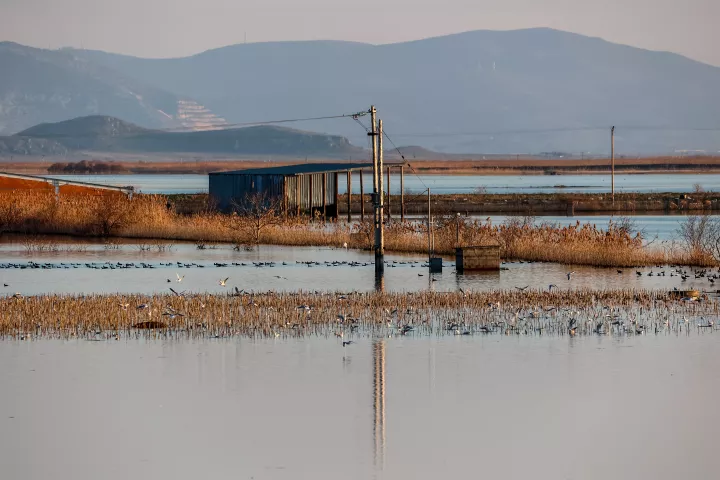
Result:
[39,85]
[512,92]
[530,90]
[108,134]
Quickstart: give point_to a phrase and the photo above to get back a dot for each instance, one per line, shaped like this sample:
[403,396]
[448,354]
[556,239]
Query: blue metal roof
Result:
[299,169]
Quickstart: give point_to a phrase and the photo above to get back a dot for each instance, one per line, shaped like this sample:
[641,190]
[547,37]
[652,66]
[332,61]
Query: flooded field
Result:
[448,183]
[91,268]
[420,407]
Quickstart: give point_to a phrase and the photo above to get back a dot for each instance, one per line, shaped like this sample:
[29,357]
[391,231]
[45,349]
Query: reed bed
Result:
[356,315]
[147,217]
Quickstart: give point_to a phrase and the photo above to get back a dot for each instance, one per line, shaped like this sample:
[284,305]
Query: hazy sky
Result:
[162,28]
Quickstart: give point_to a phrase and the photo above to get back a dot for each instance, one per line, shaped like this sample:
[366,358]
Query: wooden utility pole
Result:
[612,162]
[377,191]
[379,256]
[429,229]
[388,193]
[402,194]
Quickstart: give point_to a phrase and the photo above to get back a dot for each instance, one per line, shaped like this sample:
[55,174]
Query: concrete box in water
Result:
[478,257]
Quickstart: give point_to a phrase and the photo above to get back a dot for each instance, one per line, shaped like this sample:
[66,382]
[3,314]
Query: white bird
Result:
[223,282]
[345,245]
[179,278]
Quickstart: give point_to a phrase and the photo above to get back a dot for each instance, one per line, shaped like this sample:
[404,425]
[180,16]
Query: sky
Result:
[172,28]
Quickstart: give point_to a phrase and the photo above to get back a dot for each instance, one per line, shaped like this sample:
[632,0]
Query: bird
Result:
[142,306]
[18,296]
[179,278]
[223,282]
[180,294]
[5,285]
[349,342]
[124,305]
[620,272]
[569,275]
[550,287]
[522,289]
[345,246]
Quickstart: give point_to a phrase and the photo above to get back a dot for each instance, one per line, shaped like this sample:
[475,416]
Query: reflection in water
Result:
[379,402]
[379,281]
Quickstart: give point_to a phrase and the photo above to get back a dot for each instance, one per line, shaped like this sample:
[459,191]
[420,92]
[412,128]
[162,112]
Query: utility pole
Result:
[429,221]
[380,254]
[612,162]
[377,195]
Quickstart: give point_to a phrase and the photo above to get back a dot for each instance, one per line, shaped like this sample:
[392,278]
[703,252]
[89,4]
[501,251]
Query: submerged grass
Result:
[148,217]
[580,312]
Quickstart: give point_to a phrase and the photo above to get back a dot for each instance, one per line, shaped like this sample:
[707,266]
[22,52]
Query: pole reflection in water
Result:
[379,402]
[379,281]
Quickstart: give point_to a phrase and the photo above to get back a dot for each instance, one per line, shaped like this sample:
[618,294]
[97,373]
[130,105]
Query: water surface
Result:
[643,183]
[410,407]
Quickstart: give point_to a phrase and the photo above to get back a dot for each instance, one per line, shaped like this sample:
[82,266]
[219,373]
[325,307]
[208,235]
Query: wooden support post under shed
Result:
[298,199]
[349,196]
[310,196]
[324,195]
[337,195]
[362,198]
[285,197]
[402,194]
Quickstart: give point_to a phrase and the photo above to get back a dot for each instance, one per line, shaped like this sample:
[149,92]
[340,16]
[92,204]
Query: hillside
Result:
[523,91]
[47,86]
[108,134]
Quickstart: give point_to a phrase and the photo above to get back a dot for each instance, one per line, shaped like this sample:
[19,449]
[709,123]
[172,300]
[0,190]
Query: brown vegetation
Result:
[584,312]
[148,216]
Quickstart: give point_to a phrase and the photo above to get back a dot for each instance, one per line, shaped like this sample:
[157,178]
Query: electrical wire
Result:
[223,127]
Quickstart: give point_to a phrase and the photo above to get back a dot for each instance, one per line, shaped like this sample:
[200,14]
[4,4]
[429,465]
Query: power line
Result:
[220,128]
[555,130]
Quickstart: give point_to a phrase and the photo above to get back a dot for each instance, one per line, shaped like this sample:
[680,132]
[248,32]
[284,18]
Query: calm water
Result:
[417,407]
[447,183]
[403,273]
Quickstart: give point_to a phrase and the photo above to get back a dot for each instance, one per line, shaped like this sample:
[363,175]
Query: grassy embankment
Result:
[451,165]
[147,217]
[108,317]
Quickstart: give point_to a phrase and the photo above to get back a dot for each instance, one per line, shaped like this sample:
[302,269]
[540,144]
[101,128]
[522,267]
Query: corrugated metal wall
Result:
[226,189]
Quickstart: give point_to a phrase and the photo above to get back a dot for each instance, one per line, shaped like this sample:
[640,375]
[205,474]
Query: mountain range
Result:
[522,91]
[108,134]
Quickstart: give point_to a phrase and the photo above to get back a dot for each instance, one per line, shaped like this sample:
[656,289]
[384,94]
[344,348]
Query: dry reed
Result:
[147,217]
[579,312]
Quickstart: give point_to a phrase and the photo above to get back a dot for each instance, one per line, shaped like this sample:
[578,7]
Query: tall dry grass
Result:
[147,216]
[579,312]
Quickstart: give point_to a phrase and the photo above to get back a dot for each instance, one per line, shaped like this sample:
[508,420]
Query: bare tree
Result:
[111,213]
[257,212]
[701,234]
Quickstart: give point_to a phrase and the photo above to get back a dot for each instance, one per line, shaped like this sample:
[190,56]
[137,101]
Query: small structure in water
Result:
[478,257]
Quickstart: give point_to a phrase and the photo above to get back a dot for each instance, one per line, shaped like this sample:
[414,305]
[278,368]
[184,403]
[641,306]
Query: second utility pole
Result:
[612,163]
